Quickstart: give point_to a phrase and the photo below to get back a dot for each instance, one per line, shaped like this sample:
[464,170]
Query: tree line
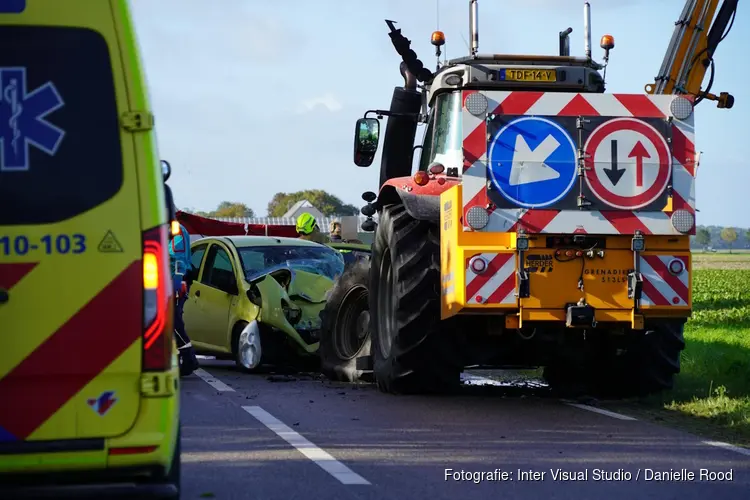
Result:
[717,237]
[720,238]
[327,203]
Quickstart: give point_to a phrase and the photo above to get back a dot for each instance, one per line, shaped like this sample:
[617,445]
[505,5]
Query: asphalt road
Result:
[280,437]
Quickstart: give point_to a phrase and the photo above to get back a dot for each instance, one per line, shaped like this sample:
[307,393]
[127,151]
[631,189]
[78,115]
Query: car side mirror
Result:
[366,139]
[166,170]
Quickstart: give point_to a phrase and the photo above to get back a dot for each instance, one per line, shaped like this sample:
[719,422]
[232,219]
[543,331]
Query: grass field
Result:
[712,392]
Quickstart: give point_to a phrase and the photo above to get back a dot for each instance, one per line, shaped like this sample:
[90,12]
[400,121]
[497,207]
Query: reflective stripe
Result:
[32,397]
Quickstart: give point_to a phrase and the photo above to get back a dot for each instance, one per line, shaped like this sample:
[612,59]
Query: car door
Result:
[214,296]
[190,312]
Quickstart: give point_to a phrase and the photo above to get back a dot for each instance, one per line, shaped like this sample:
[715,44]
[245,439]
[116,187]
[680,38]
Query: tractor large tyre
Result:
[345,332]
[647,366]
[413,351]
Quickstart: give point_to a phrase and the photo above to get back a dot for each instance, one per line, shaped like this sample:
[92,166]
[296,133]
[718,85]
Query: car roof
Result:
[258,241]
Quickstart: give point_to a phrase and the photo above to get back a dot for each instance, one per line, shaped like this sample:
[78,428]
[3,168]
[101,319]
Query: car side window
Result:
[197,258]
[218,271]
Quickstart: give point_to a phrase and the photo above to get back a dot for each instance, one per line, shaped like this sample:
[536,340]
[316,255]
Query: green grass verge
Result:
[712,391]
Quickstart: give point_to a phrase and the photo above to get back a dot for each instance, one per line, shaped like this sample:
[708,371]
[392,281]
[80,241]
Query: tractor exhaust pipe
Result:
[410,81]
[587,29]
[474,26]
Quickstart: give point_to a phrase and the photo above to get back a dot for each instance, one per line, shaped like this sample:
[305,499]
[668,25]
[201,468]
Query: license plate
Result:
[527,75]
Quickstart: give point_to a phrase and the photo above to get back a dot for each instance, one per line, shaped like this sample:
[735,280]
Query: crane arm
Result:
[691,50]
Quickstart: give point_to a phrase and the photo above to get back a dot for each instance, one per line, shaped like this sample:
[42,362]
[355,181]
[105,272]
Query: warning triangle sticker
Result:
[109,244]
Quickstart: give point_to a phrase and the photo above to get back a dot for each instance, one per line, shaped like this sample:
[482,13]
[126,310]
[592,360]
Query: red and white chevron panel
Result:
[497,284]
[661,288]
[474,180]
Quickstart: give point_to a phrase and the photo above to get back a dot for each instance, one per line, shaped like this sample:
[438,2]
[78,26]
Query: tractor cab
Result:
[441,100]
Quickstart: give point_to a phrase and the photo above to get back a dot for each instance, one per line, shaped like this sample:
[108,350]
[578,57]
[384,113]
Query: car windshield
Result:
[350,257]
[312,259]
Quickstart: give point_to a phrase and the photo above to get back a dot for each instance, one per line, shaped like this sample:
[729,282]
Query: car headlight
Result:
[292,314]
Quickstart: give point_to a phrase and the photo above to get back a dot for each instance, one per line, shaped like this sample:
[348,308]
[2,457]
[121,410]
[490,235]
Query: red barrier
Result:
[195,224]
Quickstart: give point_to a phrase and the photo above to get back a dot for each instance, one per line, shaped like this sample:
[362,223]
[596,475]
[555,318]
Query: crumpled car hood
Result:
[310,287]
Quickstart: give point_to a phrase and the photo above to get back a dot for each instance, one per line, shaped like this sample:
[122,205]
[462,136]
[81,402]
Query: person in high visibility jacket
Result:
[308,229]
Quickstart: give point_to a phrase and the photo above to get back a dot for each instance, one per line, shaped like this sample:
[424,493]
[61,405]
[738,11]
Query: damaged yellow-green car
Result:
[261,301]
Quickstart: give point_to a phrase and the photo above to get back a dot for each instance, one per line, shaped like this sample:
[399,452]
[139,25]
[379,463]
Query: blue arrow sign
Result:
[22,122]
[532,162]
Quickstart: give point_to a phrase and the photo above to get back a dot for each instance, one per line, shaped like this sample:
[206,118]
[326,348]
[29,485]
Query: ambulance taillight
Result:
[157,301]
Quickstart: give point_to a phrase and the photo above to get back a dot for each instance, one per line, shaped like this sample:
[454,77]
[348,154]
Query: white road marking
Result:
[727,446]
[608,413]
[344,474]
[324,460]
[213,381]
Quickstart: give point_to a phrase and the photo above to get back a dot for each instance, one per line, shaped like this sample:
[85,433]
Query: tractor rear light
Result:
[157,301]
[421,178]
[436,168]
[477,217]
[676,266]
[638,243]
[478,264]
[522,243]
[683,221]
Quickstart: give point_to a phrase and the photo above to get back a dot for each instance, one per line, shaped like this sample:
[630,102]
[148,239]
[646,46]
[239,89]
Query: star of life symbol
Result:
[22,120]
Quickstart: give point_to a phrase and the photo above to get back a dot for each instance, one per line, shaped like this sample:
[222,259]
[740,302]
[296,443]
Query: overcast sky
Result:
[253,97]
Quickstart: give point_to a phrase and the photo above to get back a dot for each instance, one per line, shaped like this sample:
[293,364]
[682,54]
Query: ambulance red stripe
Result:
[11,274]
[78,352]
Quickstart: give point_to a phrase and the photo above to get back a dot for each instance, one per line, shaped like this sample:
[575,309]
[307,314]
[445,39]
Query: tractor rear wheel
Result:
[650,361]
[412,349]
[648,365]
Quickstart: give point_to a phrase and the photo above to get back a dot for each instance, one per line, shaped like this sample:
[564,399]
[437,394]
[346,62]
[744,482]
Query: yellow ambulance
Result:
[89,380]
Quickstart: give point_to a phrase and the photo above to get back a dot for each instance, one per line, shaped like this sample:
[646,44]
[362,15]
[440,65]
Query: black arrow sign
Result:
[614,173]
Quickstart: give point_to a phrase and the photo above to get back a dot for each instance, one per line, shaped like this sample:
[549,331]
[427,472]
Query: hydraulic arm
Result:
[691,49]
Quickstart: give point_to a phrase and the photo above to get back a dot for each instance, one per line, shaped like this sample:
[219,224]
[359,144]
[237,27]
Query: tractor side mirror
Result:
[366,139]
[166,169]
